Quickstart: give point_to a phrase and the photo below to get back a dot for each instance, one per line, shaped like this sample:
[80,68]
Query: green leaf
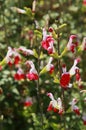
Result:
[15,91]
[38,33]
[35,53]
[56,80]
[44,70]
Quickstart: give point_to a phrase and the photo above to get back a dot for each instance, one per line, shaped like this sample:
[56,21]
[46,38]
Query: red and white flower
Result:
[66,76]
[72,71]
[74,107]
[28,102]
[26,51]
[78,79]
[72,43]
[50,29]
[49,66]
[84,118]
[55,105]
[32,74]
[65,79]
[47,42]
[19,75]
[12,57]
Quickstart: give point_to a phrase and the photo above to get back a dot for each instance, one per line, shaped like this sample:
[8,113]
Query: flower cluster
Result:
[13,57]
[27,70]
[31,74]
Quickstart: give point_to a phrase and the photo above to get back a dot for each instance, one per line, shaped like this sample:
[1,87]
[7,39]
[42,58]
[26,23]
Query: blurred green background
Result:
[16,30]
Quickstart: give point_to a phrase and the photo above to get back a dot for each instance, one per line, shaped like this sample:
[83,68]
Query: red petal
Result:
[27,103]
[84,122]
[51,70]
[32,76]
[16,60]
[77,111]
[50,108]
[55,110]
[65,80]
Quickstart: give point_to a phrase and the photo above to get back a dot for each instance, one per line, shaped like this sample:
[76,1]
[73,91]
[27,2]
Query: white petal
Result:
[44,34]
[70,85]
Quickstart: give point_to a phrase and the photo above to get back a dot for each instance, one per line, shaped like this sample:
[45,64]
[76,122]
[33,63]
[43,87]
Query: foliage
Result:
[25,28]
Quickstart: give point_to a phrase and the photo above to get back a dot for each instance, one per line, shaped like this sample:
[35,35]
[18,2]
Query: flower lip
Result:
[32,76]
[78,60]
[65,80]
[75,100]
[49,94]
[50,29]
[64,65]
[73,36]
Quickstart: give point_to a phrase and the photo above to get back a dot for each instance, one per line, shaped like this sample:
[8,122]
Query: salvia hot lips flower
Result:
[47,42]
[32,74]
[49,67]
[55,105]
[78,79]
[12,57]
[72,43]
[72,71]
[19,74]
[28,102]
[25,51]
[74,107]
[65,77]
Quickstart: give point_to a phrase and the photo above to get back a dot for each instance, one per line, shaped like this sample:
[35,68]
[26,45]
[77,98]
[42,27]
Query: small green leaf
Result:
[56,80]
[42,55]
[14,90]
[62,26]
[55,55]
[44,70]
[3,62]
[35,53]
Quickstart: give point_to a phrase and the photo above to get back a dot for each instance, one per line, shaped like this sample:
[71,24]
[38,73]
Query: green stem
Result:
[38,92]
[62,93]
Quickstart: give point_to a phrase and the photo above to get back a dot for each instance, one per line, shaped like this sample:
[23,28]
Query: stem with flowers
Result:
[17,57]
[60,73]
[38,90]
